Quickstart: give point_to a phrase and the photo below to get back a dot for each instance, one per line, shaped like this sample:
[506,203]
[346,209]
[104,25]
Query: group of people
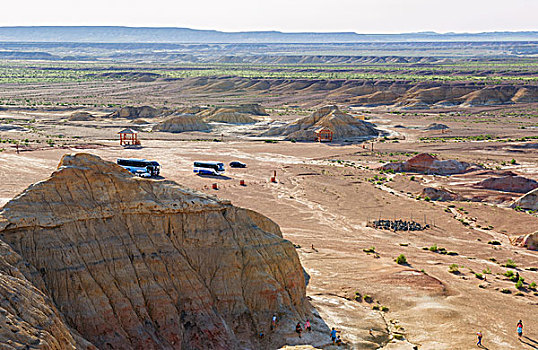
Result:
[335,338]
[519,328]
[299,327]
[399,225]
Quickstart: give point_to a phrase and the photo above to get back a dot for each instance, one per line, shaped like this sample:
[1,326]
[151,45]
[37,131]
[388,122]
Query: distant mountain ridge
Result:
[116,34]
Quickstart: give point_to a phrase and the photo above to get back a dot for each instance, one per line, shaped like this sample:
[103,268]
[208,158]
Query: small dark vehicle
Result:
[237,164]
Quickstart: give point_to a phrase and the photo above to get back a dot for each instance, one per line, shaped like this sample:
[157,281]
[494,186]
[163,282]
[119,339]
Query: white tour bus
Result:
[209,168]
[140,167]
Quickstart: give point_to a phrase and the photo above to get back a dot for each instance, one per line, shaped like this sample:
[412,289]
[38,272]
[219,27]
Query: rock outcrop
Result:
[427,164]
[28,317]
[440,194]
[249,108]
[182,123]
[529,241]
[528,200]
[518,184]
[134,263]
[230,117]
[81,116]
[137,112]
[140,121]
[343,126]
[436,126]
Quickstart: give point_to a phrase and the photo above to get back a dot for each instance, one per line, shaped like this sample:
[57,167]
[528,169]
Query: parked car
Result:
[237,164]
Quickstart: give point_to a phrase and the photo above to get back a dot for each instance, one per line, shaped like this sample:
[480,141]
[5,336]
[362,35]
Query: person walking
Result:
[307,326]
[333,335]
[298,329]
[273,322]
[479,335]
[520,329]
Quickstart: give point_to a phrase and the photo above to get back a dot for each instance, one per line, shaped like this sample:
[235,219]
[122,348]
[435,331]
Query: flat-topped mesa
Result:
[135,263]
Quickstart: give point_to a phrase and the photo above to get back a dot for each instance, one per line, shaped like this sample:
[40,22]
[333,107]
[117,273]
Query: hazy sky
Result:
[362,16]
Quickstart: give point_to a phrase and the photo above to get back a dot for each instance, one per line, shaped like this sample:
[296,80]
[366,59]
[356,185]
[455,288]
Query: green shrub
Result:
[384,309]
[479,276]
[401,259]
[509,273]
[506,291]
[494,242]
[375,307]
[519,284]
[510,263]
[369,250]
[532,286]
[433,248]
[513,161]
[453,268]
[486,271]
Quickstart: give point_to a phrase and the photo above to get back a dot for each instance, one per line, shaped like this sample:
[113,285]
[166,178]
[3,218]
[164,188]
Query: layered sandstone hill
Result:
[403,94]
[28,317]
[343,126]
[137,112]
[427,164]
[249,109]
[134,263]
[181,123]
[230,117]
[509,183]
[528,200]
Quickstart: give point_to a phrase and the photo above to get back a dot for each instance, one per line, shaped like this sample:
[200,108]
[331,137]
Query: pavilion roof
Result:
[128,131]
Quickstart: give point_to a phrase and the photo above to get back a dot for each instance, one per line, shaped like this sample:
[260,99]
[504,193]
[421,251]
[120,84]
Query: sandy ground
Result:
[323,200]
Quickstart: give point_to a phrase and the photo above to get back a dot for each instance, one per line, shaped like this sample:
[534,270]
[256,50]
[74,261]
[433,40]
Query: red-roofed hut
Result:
[324,135]
[129,137]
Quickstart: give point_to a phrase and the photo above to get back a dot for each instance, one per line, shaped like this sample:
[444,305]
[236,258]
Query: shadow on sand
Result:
[216,177]
[530,342]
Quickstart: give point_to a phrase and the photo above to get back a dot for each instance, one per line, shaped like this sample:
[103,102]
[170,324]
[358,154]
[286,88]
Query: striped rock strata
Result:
[131,263]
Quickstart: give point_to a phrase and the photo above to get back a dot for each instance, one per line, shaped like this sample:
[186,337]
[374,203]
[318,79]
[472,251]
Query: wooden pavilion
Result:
[129,137]
[324,135]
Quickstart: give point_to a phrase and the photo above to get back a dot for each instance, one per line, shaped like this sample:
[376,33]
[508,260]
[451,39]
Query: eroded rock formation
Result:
[182,123]
[134,263]
[529,241]
[427,164]
[509,183]
[528,200]
[341,124]
[137,112]
[440,194]
[81,116]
